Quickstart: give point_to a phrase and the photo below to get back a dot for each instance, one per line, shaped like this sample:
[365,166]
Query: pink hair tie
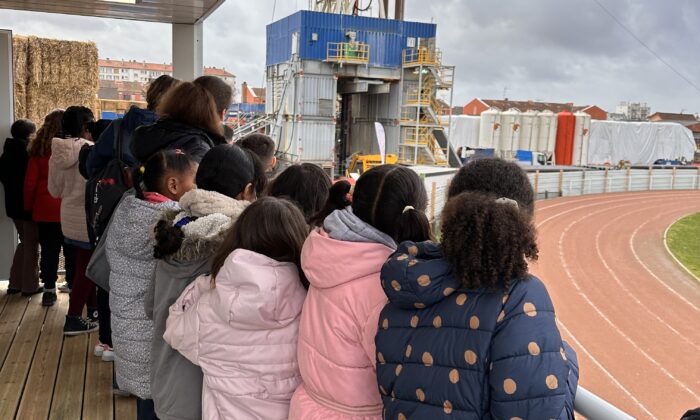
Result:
[179,152]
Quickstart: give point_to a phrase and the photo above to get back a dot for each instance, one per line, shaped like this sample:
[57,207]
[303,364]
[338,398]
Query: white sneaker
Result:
[63,288]
[108,355]
[100,349]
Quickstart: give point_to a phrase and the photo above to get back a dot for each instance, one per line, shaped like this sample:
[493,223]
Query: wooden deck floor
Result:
[44,375]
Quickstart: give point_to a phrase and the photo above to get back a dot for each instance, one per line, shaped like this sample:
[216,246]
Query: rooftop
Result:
[506,104]
[669,116]
[142,65]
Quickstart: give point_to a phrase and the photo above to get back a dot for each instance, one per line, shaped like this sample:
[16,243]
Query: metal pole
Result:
[420,98]
[449,121]
[398,10]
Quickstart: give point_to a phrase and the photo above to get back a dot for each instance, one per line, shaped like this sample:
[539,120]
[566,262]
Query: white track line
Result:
[602,315]
[668,250]
[636,256]
[605,371]
[629,292]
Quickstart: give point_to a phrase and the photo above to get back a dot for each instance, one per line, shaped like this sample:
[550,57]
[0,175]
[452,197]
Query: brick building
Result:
[477,106]
[252,95]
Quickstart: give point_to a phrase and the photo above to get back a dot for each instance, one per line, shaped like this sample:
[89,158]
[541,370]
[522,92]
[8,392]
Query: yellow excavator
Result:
[362,163]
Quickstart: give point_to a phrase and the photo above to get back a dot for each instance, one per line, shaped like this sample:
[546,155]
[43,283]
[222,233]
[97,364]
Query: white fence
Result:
[551,183]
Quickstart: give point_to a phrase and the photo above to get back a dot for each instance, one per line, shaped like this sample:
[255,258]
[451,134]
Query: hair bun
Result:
[339,194]
[168,240]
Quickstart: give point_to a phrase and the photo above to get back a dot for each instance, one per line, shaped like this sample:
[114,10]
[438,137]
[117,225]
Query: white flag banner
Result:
[381,139]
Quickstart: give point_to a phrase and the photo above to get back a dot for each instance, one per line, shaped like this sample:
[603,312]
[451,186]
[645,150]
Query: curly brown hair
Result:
[40,144]
[488,243]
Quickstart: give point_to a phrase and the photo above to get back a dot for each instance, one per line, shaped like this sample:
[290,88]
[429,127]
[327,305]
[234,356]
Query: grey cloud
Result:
[555,50]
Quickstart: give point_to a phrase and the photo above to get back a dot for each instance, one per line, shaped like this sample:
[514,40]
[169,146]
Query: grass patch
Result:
[684,242]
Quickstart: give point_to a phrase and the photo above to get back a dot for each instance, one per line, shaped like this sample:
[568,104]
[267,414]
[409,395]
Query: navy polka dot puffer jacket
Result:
[444,351]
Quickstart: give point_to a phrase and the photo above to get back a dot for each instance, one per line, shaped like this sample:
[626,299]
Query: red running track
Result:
[630,312]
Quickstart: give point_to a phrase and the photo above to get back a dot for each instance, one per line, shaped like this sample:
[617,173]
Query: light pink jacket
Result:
[66,183]
[338,324]
[243,333]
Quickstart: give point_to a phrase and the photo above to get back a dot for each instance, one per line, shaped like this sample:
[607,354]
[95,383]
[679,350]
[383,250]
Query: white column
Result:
[8,236]
[187,51]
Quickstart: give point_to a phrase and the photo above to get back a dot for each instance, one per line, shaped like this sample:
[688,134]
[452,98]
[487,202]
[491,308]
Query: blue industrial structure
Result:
[386,38]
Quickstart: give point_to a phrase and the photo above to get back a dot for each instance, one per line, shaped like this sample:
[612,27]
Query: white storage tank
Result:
[529,129]
[581,138]
[547,136]
[490,129]
[510,133]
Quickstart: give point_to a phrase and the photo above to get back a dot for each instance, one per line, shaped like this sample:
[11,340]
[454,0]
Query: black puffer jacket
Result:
[168,134]
[13,168]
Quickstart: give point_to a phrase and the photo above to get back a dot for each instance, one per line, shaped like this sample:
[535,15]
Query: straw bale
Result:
[19,48]
[58,74]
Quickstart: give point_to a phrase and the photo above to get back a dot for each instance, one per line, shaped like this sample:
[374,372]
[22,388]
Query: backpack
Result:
[104,191]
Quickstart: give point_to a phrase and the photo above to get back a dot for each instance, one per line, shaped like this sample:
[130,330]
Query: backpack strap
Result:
[118,137]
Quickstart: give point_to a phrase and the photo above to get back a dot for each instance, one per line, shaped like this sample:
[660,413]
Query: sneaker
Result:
[92,315]
[108,355]
[76,325]
[64,288]
[35,292]
[104,351]
[117,391]
[48,299]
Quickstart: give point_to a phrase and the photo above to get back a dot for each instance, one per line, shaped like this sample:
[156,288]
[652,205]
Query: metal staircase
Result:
[423,140]
[252,125]
[281,90]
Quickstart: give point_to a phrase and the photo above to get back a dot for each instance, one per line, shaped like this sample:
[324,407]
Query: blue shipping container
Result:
[387,38]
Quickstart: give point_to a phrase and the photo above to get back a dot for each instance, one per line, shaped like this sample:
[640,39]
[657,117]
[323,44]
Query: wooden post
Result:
[537,181]
[651,172]
[561,182]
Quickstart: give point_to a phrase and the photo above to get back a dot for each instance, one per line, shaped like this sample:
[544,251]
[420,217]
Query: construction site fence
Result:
[552,184]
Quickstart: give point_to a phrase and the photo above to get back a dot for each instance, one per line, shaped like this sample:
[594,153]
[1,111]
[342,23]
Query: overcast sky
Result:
[551,50]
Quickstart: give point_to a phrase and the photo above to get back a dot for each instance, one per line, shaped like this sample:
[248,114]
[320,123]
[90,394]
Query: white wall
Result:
[8,236]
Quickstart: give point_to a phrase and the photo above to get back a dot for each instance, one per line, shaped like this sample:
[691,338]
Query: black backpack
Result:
[104,190]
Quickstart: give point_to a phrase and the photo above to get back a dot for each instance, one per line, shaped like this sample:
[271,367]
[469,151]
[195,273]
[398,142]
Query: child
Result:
[241,323]
[66,183]
[185,242]
[24,273]
[468,333]
[45,209]
[339,320]
[166,177]
[306,185]
[263,147]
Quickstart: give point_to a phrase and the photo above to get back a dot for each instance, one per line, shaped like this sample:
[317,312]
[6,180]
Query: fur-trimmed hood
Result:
[204,221]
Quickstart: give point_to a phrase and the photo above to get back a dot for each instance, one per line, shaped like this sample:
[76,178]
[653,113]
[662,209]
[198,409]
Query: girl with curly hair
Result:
[468,332]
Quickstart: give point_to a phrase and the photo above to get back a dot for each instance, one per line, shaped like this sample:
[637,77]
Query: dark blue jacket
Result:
[104,150]
[444,351]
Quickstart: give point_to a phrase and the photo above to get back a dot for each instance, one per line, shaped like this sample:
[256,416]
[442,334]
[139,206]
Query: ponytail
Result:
[338,199]
[487,240]
[413,225]
[168,239]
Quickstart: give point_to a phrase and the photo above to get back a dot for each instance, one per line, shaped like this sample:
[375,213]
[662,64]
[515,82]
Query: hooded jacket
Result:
[37,200]
[130,255]
[243,334]
[13,168]
[176,383]
[105,150]
[169,134]
[66,183]
[444,351]
[339,320]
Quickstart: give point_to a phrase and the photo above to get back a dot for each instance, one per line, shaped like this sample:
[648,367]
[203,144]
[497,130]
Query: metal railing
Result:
[348,52]
[593,407]
[421,56]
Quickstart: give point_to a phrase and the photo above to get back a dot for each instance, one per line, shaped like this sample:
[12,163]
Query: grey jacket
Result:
[176,383]
[129,246]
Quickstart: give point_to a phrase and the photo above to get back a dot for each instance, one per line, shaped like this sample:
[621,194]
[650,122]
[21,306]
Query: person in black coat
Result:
[24,274]
[190,122]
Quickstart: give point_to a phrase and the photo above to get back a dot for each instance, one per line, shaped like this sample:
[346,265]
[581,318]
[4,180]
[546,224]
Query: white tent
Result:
[464,131]
[640,143]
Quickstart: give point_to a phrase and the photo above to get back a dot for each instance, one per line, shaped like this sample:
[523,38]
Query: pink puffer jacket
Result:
[338,325]
[243,333]
[66,183]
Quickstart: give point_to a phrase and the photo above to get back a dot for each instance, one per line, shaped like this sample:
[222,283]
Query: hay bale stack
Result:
[53,74]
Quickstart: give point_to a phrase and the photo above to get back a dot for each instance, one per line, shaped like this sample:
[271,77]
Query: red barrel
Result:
[564,149]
